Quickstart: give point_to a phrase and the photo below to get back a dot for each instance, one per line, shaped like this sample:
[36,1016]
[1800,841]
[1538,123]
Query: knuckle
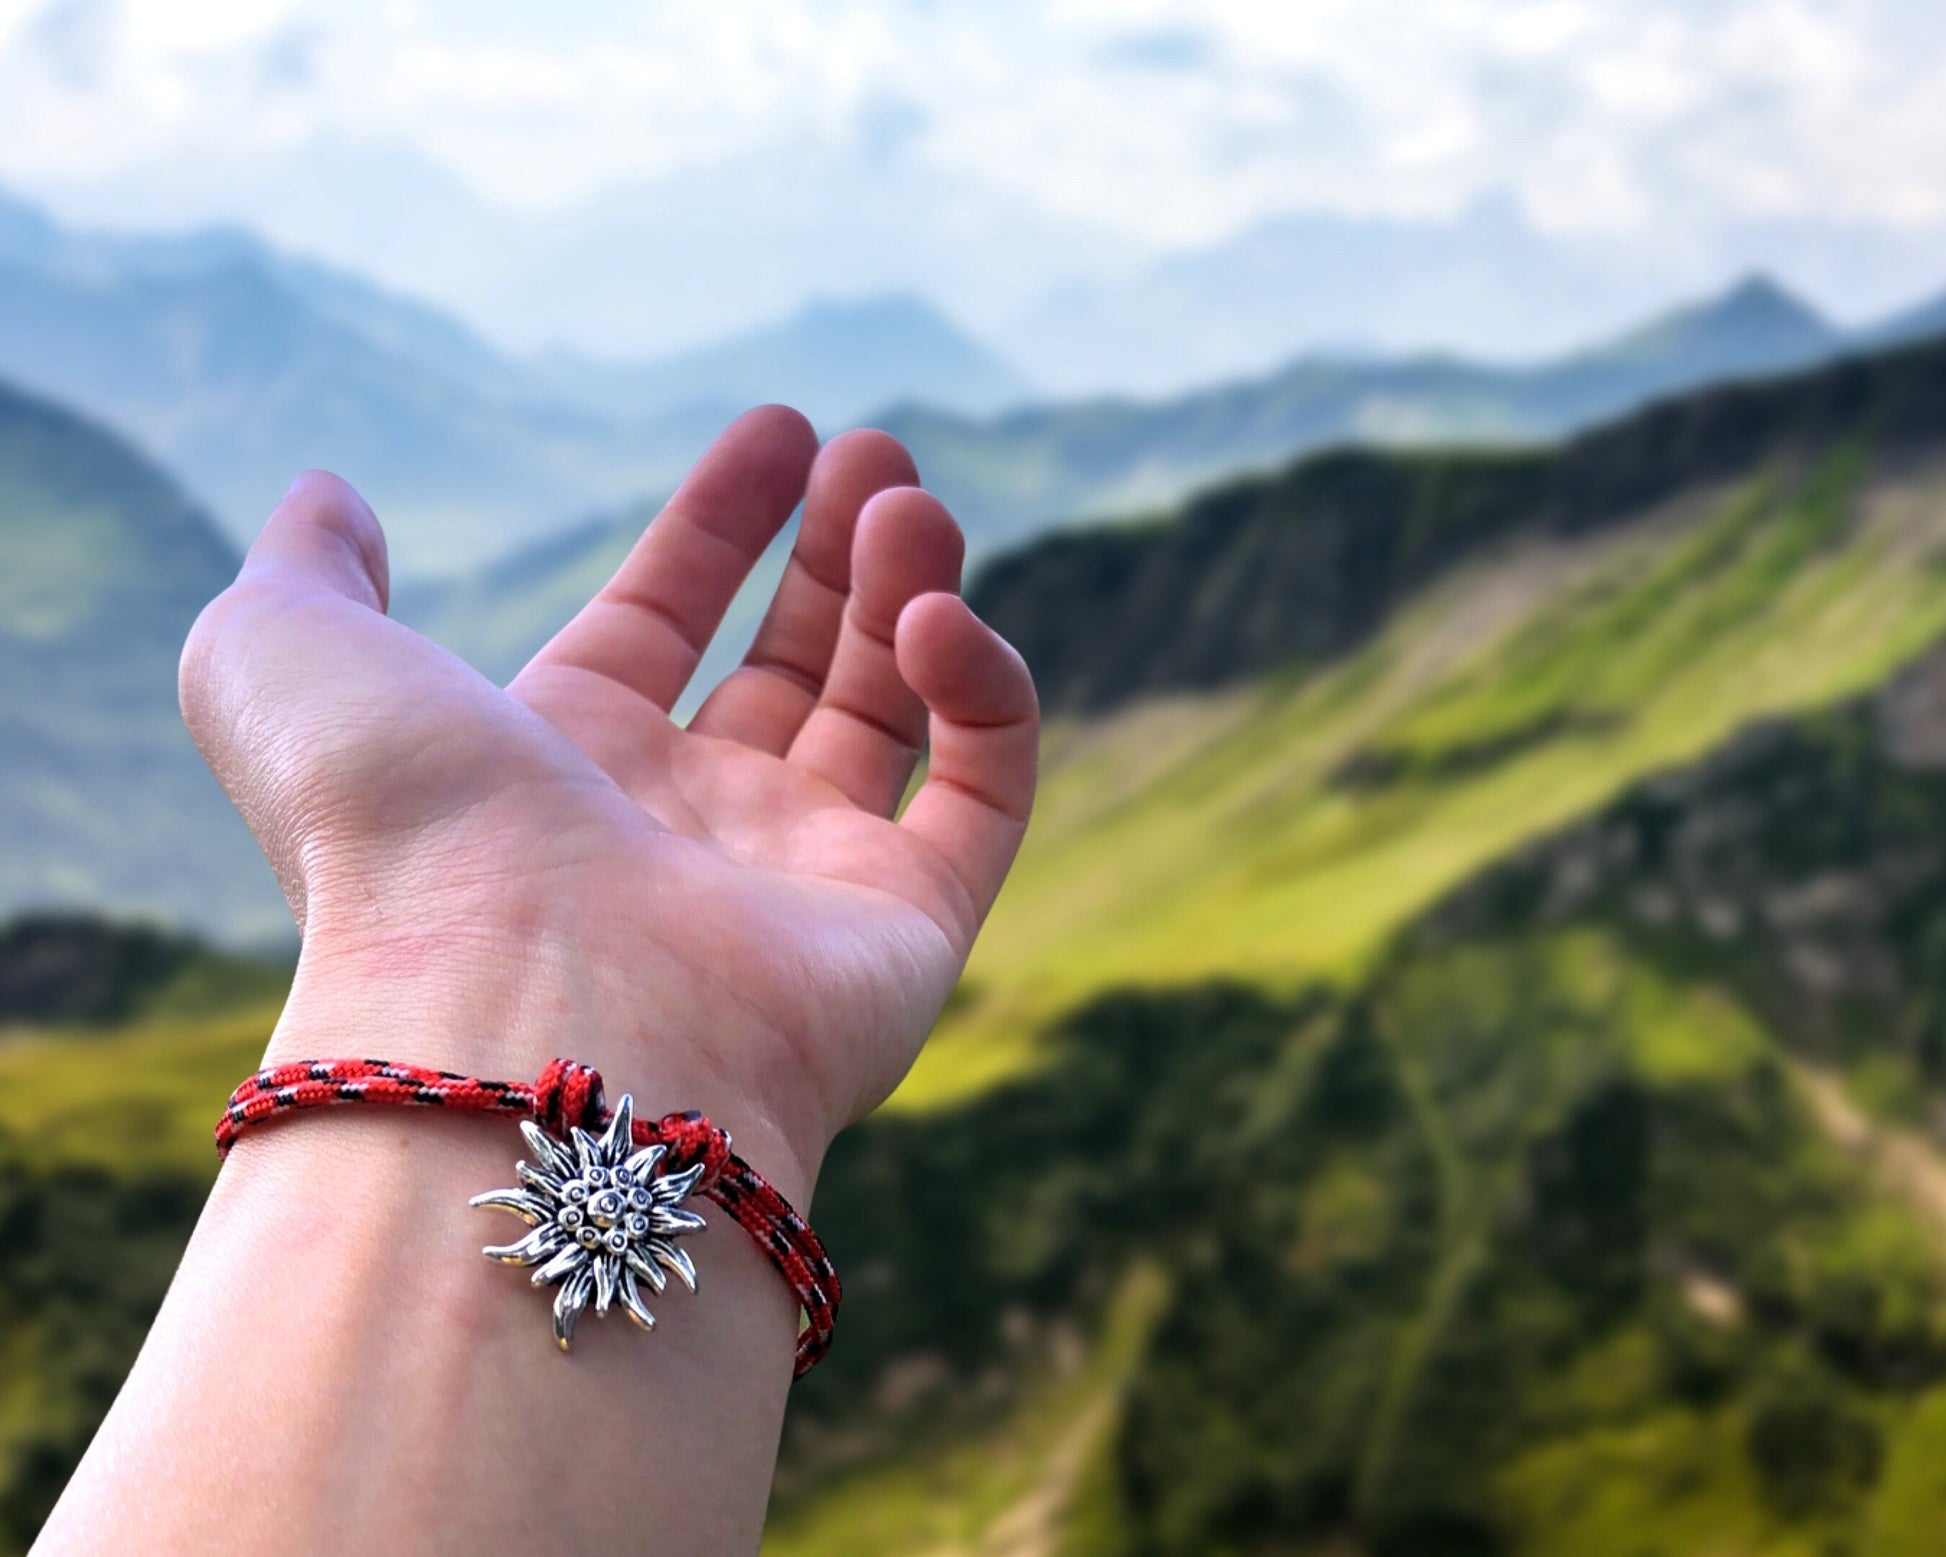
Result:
[205,651]
[215,665]
[195,668]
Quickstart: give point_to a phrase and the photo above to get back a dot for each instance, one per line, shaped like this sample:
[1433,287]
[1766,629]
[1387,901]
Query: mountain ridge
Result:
[1346,534]
[832,359]
[1011,475]
[1038,468]
[239,365]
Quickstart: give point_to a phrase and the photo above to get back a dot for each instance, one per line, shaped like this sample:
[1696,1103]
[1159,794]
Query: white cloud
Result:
[1159,124]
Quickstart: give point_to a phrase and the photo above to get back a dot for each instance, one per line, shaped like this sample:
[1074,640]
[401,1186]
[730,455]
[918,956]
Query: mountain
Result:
[1317,557]
[1603,1214]
[414,330]
[1019,474]
[1756,327]
[1011,476]
[1464,1091]
[1922,321]
[1455,1069]
[239,365]
[1291,283]
[104,802]
[837,362]
[495,618]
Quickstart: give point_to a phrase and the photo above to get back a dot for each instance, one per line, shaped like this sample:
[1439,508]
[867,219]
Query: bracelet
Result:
[604,1195]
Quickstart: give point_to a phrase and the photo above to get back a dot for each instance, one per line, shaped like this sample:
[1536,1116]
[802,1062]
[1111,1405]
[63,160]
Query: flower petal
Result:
[573,1257]
[675,1259]
[604,1268]
[667,1219]
[672,1187]
[617,1141]
[540,1244]
[587,1148]
[539,1180]
[531,1209]
[555,1157]
[568,1303]
[645,1267]
[632,1301]
[643,1162]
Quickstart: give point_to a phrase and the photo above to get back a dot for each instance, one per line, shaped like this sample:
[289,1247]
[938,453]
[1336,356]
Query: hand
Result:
[724,916]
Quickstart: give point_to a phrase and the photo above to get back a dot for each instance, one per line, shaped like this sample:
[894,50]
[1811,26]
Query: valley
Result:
[1462,978]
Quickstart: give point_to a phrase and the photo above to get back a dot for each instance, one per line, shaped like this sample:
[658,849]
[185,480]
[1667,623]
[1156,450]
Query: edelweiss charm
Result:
[603,1219]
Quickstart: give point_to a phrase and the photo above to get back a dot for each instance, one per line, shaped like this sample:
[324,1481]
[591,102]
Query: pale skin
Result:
[735,916]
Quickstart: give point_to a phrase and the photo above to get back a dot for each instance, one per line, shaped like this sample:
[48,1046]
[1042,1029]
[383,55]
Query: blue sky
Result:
[516,159]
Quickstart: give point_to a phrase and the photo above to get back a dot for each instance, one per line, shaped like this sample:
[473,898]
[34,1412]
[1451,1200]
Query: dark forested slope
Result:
[1304,564]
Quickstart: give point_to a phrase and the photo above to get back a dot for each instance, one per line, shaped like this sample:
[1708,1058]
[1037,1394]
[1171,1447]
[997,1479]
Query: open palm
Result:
[740,884]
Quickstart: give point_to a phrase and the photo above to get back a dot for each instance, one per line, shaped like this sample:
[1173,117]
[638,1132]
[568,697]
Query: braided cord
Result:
[565,1095]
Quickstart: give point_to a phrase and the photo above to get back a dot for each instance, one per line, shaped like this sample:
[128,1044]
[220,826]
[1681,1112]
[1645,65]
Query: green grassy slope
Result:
[1282,823]
[112,1039]
[1669,1079]
[1600,1212]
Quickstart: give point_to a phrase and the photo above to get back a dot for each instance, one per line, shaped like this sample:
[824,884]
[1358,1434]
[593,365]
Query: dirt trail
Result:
[1910,1165]
[1031,1527]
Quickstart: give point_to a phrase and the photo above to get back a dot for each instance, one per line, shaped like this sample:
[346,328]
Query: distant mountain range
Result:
[1094,610]
[1011,475]
[1481,281]
[837,362]
[239,366]
[236,365]
[1016,475]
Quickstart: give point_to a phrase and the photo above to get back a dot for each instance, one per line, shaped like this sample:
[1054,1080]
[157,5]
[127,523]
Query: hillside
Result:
[1570,1227]
[1437,1081]
[1015,476]
[226,375]
[239,365]
[103,799]
[1309,561]
[1590,1207]
[1009,476]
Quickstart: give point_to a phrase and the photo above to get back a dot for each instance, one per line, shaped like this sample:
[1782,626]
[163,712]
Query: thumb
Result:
[255,646]
[325,535]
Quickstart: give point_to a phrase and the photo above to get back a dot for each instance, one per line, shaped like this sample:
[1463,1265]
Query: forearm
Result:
[337,1365]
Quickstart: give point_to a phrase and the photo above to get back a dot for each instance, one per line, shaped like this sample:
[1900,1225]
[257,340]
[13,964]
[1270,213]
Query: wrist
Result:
[502,1007]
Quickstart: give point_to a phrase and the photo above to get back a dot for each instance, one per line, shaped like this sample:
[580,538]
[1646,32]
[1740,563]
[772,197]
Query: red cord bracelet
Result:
[603,1197]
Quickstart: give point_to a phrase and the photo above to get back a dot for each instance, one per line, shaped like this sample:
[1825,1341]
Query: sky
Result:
[635,177]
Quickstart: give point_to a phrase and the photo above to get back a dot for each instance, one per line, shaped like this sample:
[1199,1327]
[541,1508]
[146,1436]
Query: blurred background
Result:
[1461,1067]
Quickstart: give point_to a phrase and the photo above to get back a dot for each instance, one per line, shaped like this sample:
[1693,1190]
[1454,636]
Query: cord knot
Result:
[567,1094]
[691,1139]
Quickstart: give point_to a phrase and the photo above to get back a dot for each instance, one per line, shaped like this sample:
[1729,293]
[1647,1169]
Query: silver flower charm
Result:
[604,1220]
